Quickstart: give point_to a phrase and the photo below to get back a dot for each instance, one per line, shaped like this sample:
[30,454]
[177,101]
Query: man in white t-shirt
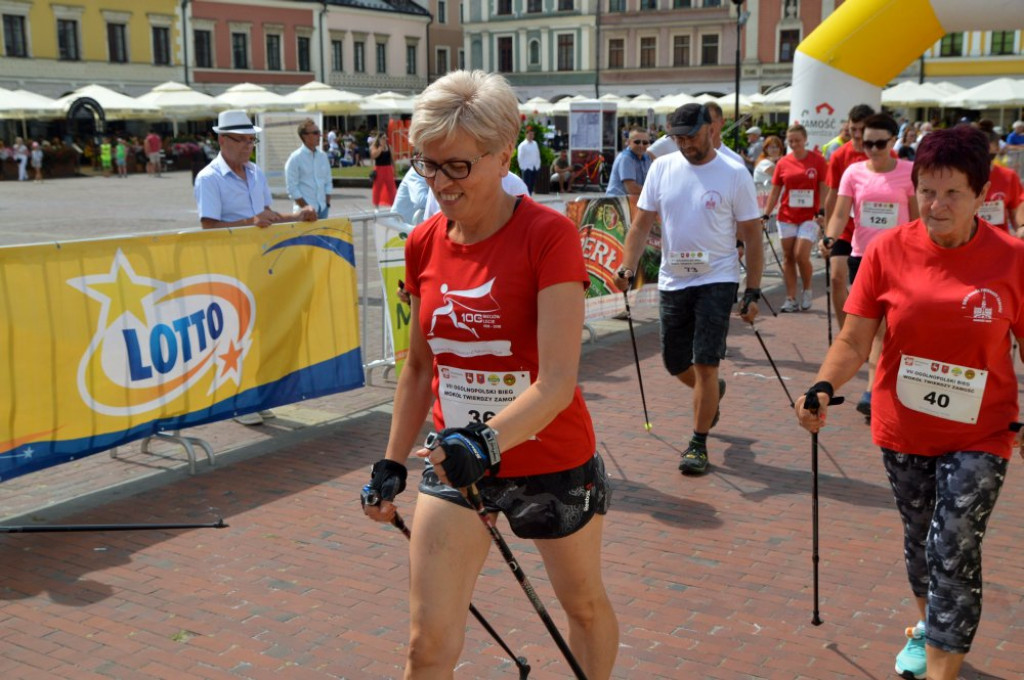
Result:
[528,157]
[704,203]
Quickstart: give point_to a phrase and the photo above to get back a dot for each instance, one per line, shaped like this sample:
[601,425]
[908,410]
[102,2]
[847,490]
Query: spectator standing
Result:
[307,172]
[37,161]
[106,156]
[153,146]
[232,191]
[528,157]
[121,159]
[20,155]
[705,203]
[631,165]
[754,146]
[384,190]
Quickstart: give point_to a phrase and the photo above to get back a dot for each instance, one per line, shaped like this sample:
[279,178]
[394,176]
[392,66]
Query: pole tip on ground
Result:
[647,426]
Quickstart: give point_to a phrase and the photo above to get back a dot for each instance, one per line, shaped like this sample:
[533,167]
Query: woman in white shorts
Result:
[799,179]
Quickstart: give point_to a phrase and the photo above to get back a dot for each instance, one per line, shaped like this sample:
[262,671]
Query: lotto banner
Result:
[602,223]
[108,341]
[391,234]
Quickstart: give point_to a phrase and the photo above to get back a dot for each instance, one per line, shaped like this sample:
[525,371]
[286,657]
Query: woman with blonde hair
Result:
[497,285]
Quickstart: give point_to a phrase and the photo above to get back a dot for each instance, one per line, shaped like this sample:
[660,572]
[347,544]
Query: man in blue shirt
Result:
[232,191]
[307,172]
[630,167]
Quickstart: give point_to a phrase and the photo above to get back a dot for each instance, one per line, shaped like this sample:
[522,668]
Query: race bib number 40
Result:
[943,390]
[477,396]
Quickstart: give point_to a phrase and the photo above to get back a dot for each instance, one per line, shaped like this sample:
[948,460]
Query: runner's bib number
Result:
[942,390]
[477,396]
[689,262]
[801,198]
[878,215]
[993,212]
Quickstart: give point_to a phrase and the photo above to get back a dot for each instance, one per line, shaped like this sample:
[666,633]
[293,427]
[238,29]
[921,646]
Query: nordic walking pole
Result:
[812,404]
[828,294]
[520,661]
[474,498]
[764,229]
[636,355]
[764,297]
[65,528]
[772,362]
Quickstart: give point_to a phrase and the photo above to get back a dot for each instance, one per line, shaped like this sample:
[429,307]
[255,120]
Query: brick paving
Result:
[710,576]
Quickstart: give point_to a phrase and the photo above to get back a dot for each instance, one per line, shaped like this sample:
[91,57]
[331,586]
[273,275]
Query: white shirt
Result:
[528,155]
[307,175]
[511,183]
[222,195]
[699,206]
[411,197]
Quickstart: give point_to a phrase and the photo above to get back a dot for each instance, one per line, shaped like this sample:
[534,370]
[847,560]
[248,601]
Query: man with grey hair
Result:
[307,172]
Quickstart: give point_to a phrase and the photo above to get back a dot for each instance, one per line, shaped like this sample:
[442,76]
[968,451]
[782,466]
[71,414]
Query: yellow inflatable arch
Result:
[864,44]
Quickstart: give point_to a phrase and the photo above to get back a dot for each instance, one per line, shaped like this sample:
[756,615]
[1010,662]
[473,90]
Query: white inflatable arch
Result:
[864,44]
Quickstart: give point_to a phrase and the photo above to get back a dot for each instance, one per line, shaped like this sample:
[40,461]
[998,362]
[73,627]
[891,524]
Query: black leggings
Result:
[945,502]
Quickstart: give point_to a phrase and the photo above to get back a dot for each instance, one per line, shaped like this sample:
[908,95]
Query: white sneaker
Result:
[807,300]
[267,414]
[249,419]
[789,305]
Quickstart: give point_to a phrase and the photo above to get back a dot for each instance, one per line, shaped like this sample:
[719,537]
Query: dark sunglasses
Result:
[876,144]
[641,141]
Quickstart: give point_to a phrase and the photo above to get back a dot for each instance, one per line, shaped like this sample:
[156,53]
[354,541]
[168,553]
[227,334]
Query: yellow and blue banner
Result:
[107,341]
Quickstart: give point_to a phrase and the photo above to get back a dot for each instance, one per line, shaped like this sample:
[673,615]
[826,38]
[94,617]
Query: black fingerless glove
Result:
[387,480]
[469,452]
[749,295]
[811,402]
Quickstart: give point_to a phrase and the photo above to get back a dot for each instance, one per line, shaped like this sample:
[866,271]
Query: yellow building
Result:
[973,57]
[54,47]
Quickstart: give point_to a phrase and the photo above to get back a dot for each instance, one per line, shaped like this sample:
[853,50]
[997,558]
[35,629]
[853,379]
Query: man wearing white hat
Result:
[232,191]
[754,147]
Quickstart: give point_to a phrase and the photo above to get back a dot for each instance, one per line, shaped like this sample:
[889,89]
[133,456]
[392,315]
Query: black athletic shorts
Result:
[841,248]
[553,505]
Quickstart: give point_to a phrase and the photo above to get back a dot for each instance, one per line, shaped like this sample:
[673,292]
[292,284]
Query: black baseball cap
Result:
[688,119]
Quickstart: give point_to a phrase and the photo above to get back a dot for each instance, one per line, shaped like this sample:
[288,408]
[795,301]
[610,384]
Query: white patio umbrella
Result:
[638,105]
[115,105]
[728,104]
[391,103]
[775,102]
[317,96]
[1001,93]
[671,102]
[180,102]
[538,105]
[909,94]
[562,105]
[252,97]
[22,104]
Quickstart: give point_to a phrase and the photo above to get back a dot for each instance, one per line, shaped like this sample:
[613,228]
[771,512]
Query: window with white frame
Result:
[273,51]
[359,56]
[382,56]
[160,38]
[117,43]
[441,60]
[15,35]
[337,55]
[506,63]
[442,12]
[788,40]
[410,59]
[534,52]
[952,45]
[240,49]
[462,59]
[304,51]
[1002,42]
[202,47]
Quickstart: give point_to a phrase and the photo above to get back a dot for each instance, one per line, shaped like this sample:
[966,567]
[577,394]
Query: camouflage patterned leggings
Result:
[945,502]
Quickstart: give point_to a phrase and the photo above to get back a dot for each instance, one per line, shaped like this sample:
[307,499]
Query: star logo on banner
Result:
[120,291]
[228,366]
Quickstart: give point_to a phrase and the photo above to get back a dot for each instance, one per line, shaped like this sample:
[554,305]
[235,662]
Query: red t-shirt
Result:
[152,143]
[793,174]
[478,312]
[1005,192]
[954,308]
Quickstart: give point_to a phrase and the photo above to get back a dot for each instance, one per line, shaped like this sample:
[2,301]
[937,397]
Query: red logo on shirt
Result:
[469,378]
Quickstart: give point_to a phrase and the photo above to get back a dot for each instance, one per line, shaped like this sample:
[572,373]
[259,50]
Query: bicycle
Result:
[593,171]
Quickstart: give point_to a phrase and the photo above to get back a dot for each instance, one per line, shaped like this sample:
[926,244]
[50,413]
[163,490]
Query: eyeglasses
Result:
[312,132]
[876,144]
[451,169]
[243,140]
[645,142]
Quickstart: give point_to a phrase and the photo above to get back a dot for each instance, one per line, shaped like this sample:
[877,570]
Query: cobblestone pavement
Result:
[710,576]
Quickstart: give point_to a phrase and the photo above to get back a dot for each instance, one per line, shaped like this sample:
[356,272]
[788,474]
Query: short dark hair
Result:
[860,112]
[963,148]
[304,124]
[882,121]
[715,109]
[797,127]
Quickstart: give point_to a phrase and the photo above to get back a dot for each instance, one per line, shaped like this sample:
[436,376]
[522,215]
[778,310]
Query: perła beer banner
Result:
[108,341]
